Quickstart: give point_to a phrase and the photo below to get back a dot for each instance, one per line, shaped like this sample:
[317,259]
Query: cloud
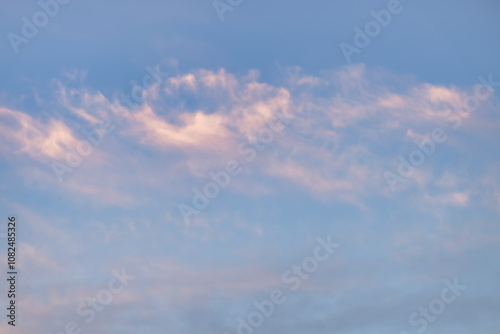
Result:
[21,133]
[348,127]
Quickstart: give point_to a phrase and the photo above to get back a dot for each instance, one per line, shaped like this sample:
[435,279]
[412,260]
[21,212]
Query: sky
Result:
[245,167]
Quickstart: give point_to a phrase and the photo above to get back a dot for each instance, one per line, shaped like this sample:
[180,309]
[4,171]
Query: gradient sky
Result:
[221,83]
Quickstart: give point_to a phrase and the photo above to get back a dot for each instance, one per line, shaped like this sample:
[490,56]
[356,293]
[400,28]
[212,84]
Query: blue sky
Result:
[314,143]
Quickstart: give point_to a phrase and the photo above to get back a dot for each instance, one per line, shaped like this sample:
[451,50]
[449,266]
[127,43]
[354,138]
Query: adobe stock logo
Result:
[426,148]
[436,307]
[372,29]
[104,297]
[221,7]
[222,178]
[292,279]
[29,30]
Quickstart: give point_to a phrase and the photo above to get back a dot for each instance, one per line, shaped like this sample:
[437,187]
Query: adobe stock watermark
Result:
[482,91]
[292,279]
[104,297]
[436,307]
[222,178]
[372,29]
[155,76]
[221,7]
[29,29]
[95,136]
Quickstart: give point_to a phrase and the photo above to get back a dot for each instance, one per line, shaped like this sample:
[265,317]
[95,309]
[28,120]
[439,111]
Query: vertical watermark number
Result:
[11,270]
